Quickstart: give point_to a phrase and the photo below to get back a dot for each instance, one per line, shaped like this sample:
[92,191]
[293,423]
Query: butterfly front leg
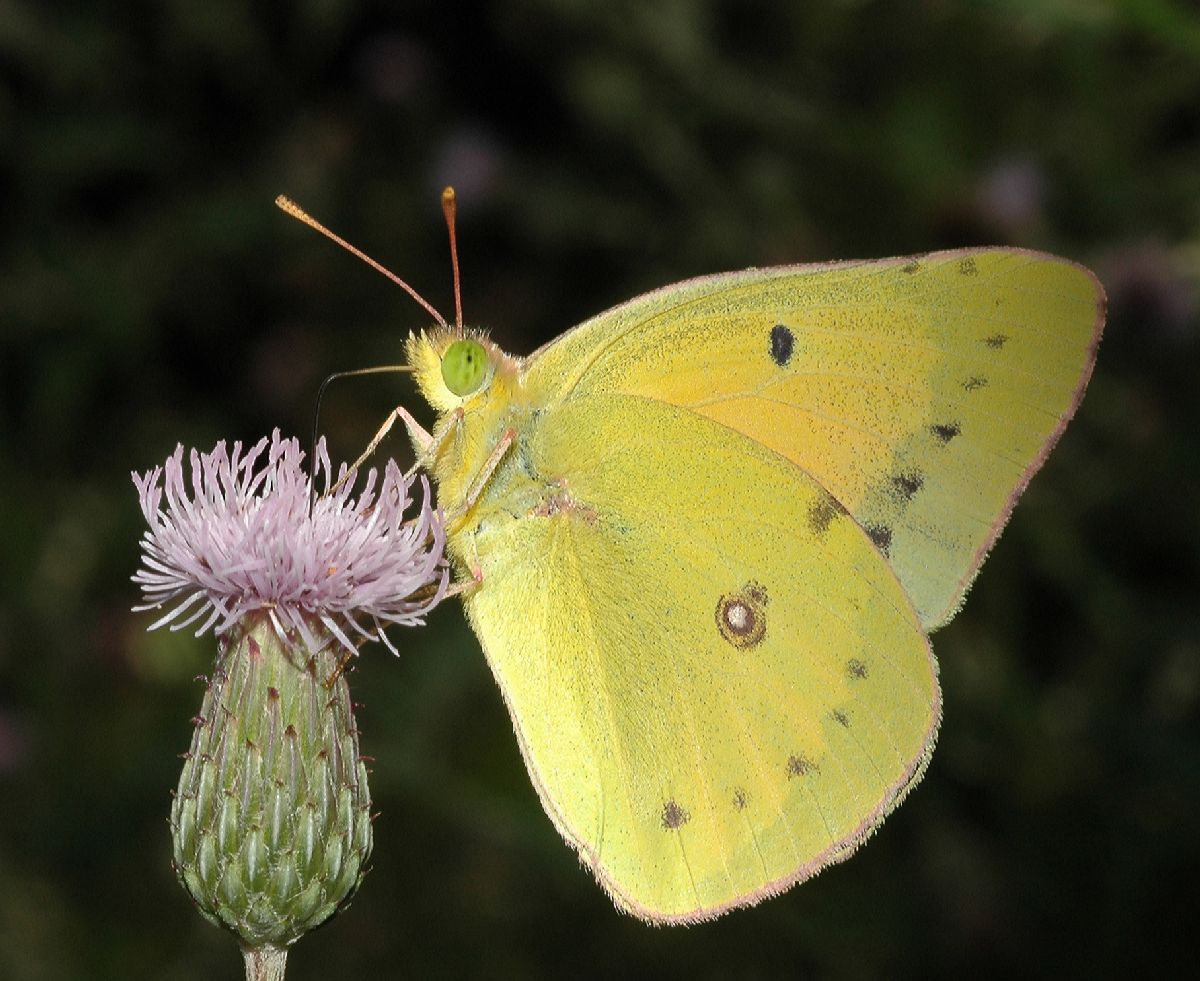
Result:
[422,442]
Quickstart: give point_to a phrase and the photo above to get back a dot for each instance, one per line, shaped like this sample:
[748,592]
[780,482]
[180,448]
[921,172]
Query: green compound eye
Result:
[464,367]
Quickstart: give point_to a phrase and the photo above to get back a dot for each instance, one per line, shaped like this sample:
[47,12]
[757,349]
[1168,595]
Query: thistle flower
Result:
[271,820]
[247,540]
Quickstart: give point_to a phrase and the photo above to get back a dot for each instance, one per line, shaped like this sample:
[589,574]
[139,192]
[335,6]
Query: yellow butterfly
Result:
[708,532]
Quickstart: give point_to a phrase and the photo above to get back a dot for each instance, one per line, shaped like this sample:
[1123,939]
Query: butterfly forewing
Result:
[921,393]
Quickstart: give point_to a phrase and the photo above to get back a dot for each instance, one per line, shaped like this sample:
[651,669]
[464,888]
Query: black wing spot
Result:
[945,431]
[740,800]
[742,616]
[996,341]
[841,718]
[910,267]
[856,669]
[906,485]
[881,535]
[799,765]
[822,513]
[674,816]
[783,341]
[967,267]
[974,383]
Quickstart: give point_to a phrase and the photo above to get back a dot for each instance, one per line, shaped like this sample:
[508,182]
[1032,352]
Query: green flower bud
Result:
[271,822]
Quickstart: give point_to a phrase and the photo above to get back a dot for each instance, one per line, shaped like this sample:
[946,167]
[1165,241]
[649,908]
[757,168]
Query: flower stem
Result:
[265,963]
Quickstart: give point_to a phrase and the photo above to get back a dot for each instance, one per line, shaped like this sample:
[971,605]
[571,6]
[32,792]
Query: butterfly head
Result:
[451,370]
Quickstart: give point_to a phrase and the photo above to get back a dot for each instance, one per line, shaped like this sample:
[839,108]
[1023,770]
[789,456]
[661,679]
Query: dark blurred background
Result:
[151,293]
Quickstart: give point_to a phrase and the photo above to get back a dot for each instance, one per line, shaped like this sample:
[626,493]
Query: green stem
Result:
[265,963]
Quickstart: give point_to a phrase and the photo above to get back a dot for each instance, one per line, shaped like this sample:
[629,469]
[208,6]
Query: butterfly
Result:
[705,535]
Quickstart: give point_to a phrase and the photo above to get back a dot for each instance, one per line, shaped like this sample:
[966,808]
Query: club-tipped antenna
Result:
[293,209]
[450,210]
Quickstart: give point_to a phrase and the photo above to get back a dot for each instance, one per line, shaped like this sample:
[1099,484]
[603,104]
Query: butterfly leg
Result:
[467,585]
[420,436]
[422,441]
[475,569]
[337,671]
[474,566]
[428,446]
[485,473]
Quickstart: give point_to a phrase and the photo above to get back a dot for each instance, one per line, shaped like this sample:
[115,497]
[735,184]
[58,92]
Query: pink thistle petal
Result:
[245,534]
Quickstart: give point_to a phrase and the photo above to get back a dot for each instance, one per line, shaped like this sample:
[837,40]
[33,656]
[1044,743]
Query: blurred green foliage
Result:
[150,293]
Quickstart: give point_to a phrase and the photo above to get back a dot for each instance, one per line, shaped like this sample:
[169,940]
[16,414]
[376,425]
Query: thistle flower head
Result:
[271,820]
[245,533]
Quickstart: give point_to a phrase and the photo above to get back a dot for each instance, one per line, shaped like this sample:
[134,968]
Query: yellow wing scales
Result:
[922,394]
[631,702]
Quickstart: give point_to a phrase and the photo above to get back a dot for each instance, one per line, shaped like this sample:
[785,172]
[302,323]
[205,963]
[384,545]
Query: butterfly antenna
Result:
[450,210]
[293,209]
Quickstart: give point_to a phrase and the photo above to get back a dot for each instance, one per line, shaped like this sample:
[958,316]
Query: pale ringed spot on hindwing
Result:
[742,615]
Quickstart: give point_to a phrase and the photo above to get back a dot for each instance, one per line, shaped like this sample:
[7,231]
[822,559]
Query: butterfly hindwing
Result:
[718,684]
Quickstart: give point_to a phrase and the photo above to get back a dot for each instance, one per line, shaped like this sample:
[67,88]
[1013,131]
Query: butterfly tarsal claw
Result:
[467,586]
